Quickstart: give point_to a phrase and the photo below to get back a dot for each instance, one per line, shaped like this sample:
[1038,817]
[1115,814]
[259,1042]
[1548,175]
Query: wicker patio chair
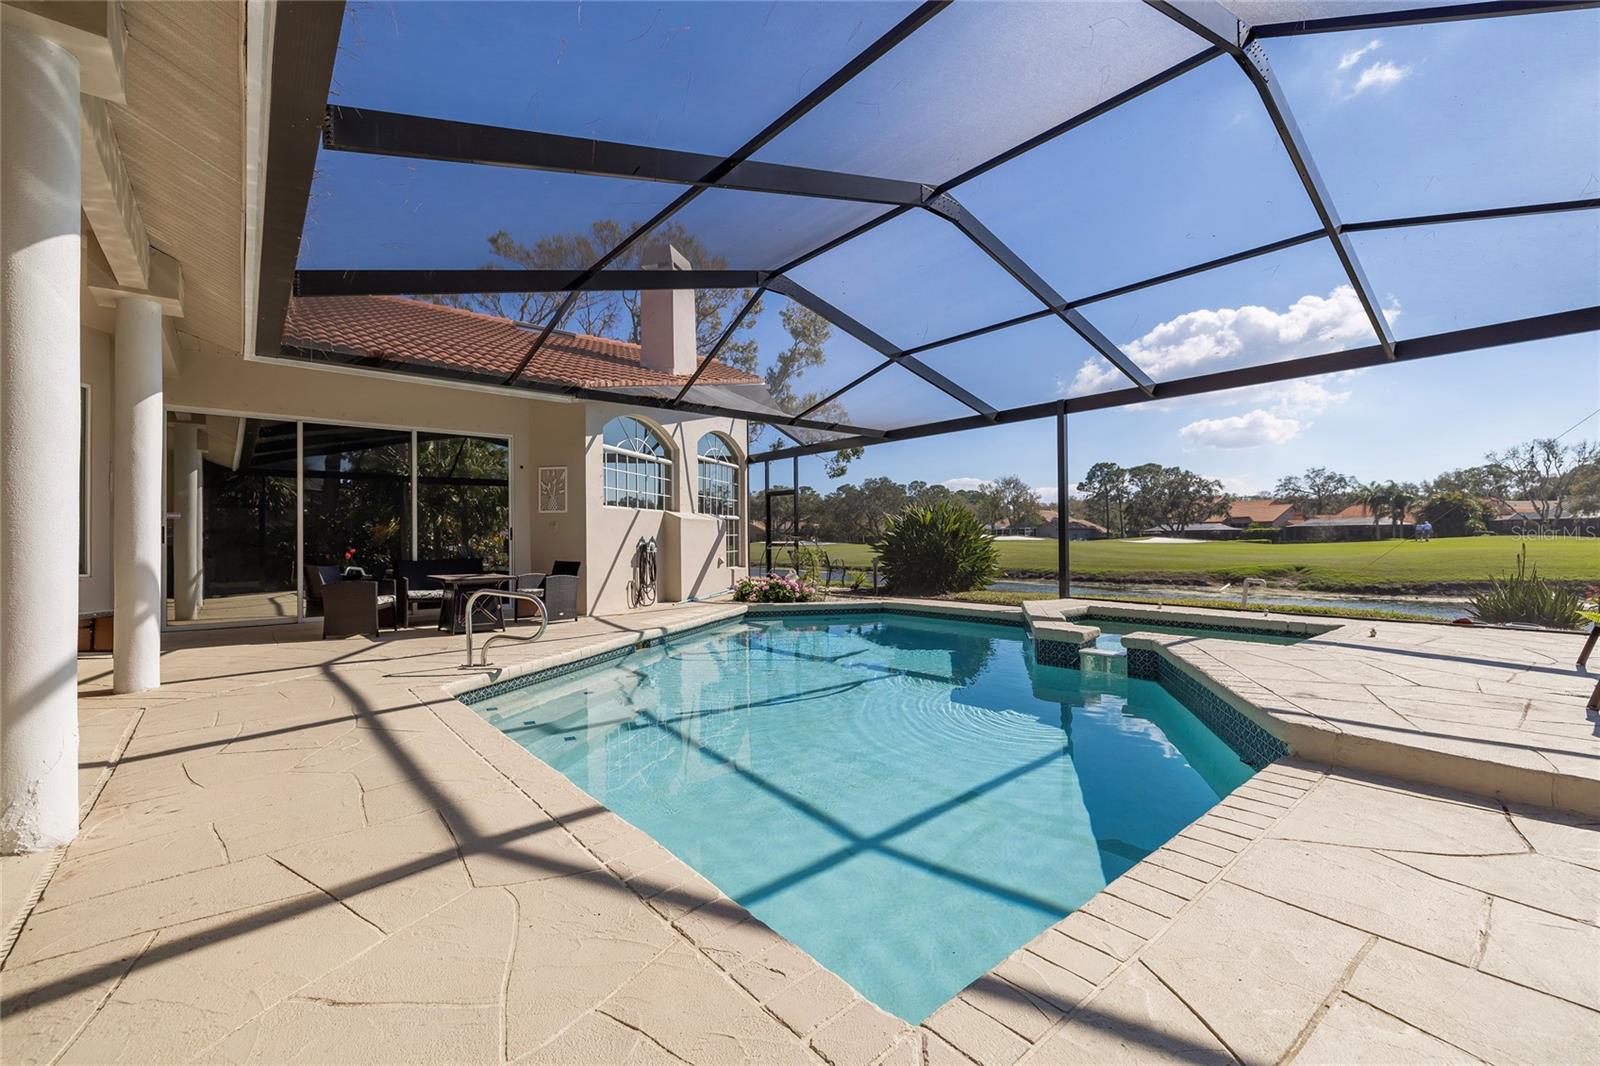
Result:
[359,607]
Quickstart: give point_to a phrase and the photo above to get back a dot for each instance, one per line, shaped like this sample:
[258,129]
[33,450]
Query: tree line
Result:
[860,513]
[1128,501]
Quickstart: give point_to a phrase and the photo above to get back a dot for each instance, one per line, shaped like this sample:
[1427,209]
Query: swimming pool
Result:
[908,799]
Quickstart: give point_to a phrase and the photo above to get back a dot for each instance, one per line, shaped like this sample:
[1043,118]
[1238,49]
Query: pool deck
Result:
[305,850]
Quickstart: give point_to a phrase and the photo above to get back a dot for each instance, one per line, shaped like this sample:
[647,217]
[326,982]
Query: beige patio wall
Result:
[543,433]
[94,359]
[688,565]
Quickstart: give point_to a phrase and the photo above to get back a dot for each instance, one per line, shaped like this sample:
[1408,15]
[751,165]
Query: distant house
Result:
[1522,516]
[1077,528]
[1245,513]
[1353,523]
[1212,530]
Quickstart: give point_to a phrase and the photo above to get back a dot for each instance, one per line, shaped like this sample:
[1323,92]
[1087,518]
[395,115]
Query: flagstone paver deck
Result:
[306,851]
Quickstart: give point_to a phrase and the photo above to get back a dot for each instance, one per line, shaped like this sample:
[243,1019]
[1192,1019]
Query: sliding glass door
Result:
[463,499]
[357,499]
[232,501]
[260,512]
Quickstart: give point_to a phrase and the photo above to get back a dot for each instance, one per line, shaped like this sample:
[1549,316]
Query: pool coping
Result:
[1025,997]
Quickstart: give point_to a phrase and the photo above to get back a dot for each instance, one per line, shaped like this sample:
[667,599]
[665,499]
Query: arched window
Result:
[718,484]
[638,466]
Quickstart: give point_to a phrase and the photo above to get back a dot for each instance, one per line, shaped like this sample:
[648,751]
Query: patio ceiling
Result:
[861,200]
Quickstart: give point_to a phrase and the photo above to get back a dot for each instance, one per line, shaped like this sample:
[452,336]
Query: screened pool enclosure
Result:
[916,220]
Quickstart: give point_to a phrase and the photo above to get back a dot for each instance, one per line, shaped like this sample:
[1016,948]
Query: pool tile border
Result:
[1014,1009]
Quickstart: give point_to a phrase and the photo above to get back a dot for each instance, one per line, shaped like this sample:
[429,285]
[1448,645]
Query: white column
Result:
[39,441]
[138,446]
[186,562]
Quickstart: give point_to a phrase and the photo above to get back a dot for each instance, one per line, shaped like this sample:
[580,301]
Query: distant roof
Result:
[1196,527]
[1524,509]
[1342,519]
[1356,511]
[1257,510]
[427,334]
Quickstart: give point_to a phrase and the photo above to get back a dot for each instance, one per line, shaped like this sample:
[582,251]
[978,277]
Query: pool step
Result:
[1105,662]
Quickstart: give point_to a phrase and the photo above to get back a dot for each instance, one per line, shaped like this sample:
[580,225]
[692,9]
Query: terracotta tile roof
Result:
[1261,511]
[426,334]
[1356,511]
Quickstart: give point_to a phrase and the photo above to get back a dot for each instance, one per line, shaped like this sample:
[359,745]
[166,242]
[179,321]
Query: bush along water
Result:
[932,550]
[1526,598]
[775,589]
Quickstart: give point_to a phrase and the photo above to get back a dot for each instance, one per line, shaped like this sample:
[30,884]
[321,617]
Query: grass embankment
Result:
[1405,566]
[1016,599]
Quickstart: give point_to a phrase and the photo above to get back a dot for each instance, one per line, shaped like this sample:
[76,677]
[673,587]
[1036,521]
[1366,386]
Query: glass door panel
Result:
[230,527]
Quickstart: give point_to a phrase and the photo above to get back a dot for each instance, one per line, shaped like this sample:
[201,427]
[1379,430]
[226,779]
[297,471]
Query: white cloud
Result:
[961,484]
[1380,75]
[1351,58]
[1301,398]
[1047,494]
[1251,430]
[1198,340]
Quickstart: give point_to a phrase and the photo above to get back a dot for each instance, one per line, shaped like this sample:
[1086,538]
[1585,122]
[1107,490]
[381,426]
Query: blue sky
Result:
[1403,121]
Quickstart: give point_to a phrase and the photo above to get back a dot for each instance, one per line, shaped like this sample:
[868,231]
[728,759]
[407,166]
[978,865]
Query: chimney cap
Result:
[663,255]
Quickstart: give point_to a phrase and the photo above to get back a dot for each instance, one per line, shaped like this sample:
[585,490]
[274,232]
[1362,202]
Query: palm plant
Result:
[1399,503]
[1377,499]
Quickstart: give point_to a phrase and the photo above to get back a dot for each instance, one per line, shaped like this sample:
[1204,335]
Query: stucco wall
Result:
[94,591]
[614,532]
[231,385]
[543,433]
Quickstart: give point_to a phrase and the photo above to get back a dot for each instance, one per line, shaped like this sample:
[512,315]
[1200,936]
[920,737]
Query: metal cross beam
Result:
[381,364]
[812,302]
[830,85]
[1420,16]
[1475,215]
[1216,24]
[947,207]
[461,282]
[387,133]
[716,349]
[1517,331]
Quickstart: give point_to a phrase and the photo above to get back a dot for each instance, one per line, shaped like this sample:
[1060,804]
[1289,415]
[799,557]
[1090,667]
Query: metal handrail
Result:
[544,620]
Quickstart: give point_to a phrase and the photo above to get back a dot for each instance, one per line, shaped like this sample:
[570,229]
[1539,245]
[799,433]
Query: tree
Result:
[1455,514]
[1172,499]
[1543,471]
[1377,500]
[858,513]
[1318,491]
[1106,484]
[620,314]
[1014,501]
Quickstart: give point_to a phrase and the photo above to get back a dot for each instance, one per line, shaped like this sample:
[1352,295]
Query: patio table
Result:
[457,587]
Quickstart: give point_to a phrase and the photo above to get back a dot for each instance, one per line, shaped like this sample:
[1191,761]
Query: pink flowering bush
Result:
[775,589]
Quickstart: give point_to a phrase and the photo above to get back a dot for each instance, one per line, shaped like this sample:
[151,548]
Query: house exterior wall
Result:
[690,560]
[95,370]
[542,433]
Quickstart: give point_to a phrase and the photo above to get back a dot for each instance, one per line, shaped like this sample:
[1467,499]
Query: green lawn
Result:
[1357,566]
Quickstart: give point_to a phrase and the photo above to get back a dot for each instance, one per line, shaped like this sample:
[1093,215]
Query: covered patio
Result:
[304,850]
[249,350]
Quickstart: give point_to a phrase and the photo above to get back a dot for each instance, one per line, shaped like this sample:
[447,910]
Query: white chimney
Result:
[666,335]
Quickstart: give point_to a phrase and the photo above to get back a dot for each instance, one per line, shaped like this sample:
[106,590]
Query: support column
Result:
[1063,498]
[187,568]
[40,194]
[138,446]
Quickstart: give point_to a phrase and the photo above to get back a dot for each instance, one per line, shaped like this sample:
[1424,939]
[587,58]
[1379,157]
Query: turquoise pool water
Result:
[908,799]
